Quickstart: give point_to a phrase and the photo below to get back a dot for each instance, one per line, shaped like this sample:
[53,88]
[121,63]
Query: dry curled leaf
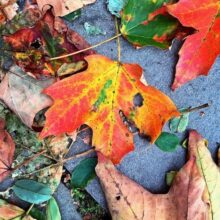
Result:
[63,7]
[22,94]
[101,97]
[7,148]
[194,194]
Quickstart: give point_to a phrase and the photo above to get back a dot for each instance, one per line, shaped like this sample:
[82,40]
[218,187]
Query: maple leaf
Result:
[7,148]
[63,7]
[22,94]
[101,97]
[49,37]
[194,194]
[147,22]
[199,50]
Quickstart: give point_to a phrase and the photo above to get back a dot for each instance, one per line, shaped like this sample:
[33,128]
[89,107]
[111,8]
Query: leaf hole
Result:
[138,100]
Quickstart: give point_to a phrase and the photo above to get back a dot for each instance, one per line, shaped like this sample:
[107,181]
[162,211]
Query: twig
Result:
[29,160]
[86,49]
[34,152]
[197,108]
[61,162]
[78,155]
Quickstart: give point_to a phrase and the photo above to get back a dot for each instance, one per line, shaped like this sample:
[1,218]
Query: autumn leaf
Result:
[200,49]
[194,194]
[22,94]
[147,22]
[9,211]
[63,7]
[101,97]
[7,148]
[50,37]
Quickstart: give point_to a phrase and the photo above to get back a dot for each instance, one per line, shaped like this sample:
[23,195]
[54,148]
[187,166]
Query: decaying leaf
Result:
[63,7]
[101,97]
[194,194]
[147,22]
[22,94]
[49,37]
[201,49]
[7,148]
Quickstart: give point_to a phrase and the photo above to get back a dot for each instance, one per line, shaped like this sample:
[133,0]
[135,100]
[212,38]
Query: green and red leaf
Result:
[102,97]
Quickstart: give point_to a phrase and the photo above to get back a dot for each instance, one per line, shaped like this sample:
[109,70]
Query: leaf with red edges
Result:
[200,49]
[49,37]
[7,148]
[103,97]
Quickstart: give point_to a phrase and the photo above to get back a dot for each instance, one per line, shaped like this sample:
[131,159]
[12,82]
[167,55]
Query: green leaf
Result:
[179,124]
[115,6]
[146,22]
[93,30]
[32,191]
[72,16]
[170,177]
[53,212]
[37,214]
[167,142]
[83,173]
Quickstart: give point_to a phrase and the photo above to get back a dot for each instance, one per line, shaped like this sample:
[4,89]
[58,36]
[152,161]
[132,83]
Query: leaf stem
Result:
[197,108]
[28,211]
[118,40]
[86,49]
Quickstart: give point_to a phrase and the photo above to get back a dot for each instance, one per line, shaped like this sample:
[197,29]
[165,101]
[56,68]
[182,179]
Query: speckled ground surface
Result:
[147,164]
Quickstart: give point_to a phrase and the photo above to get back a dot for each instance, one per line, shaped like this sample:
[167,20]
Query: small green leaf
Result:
[170,177]
[83,173]
[146,22]
[115,6]
[53,212]
[179,124]
[72,16]
[37,214]
[167,142]
[32,191]
[92,29]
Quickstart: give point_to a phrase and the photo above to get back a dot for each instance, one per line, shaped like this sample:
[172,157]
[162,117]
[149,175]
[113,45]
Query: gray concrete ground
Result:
[147,164]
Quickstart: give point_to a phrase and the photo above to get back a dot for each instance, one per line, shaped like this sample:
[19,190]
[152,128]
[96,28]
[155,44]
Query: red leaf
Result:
[103,97]
[201,49]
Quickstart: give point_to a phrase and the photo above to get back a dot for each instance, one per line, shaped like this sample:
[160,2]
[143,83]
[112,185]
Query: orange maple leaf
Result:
[200,49]
[97,96]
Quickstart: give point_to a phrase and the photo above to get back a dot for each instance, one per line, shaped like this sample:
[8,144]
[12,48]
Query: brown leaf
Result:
[194,195]
[7,148]
[22,94]
[63,7]
[8,9]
